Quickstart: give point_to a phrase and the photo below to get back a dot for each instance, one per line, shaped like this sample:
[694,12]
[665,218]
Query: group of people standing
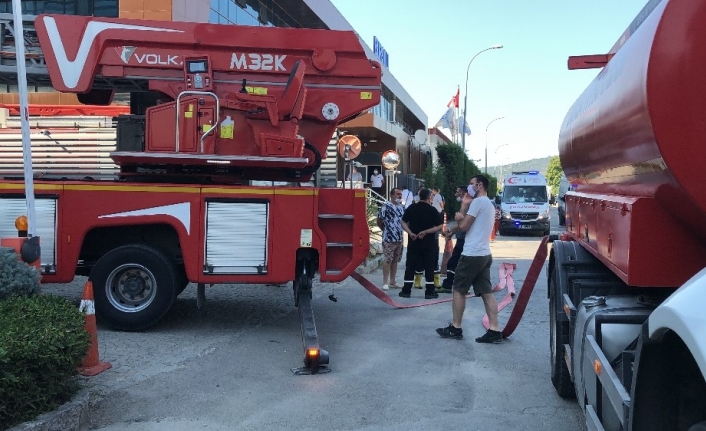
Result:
[376,180]
[470,262]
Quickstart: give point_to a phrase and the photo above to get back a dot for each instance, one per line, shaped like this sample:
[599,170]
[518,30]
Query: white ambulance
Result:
[524,204]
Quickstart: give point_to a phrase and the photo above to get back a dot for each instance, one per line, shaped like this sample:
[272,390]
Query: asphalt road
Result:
[227,367]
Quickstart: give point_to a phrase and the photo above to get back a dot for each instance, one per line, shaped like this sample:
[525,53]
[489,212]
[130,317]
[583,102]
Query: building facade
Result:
[389,126]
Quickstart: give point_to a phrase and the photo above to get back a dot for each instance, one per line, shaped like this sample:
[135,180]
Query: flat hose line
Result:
[505,271]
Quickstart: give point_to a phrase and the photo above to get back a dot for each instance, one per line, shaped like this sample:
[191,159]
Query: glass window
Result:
[69,7]
[84,8]
[54,6]
[245,18]
[213,16]
[521,194]
[106,8]
[223,7]
[233,12]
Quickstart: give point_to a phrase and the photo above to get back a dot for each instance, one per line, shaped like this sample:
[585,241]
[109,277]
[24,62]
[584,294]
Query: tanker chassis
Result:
[626,281]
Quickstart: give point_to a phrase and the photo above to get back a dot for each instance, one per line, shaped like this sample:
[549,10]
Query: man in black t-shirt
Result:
[421,221]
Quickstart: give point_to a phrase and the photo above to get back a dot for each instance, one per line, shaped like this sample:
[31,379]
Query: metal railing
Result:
[213,126]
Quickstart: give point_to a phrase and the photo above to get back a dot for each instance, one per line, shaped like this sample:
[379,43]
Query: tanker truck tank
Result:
[638,131]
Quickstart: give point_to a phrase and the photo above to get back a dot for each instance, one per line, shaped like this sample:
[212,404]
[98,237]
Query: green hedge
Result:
[16,277]
[42,342]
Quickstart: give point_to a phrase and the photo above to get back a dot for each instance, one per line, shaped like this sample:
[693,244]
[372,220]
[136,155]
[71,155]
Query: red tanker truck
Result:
[627,286]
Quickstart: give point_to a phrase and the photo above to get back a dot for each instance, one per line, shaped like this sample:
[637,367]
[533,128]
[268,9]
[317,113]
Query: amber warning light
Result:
[22,226]
[314,357]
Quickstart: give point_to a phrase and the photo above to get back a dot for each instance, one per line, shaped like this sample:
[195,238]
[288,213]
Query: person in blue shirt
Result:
[390,221]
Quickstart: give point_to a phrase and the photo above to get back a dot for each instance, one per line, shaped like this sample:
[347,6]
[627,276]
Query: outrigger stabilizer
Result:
[315,358]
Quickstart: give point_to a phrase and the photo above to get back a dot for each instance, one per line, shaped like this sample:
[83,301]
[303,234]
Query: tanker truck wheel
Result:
[558,336]
[134,287]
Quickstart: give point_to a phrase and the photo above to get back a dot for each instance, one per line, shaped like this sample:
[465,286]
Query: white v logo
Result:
[71,70]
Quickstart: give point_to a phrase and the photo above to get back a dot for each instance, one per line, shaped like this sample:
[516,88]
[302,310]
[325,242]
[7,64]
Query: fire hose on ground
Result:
[505,272]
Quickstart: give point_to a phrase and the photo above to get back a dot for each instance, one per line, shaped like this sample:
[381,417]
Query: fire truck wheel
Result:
[558,336]
[134,287]
[183,280]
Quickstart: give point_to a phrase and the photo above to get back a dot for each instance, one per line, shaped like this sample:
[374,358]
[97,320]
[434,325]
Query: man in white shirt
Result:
[407,197]
[473,267]
[438,201]
[356,177]
[376,181]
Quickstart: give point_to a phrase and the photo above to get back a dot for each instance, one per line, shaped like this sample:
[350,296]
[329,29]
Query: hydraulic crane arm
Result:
[239,96]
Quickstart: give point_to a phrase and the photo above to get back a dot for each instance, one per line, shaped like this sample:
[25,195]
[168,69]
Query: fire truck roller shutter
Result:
[134,286]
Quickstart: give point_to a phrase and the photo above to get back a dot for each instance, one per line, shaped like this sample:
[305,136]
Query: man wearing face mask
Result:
[458,248]
[473,267]
[390,221]
[376,181]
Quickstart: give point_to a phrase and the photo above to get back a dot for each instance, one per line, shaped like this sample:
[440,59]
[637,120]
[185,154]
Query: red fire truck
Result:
[627,282]
[229,105]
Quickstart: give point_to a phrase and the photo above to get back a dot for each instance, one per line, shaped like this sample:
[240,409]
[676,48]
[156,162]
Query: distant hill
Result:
[528,165]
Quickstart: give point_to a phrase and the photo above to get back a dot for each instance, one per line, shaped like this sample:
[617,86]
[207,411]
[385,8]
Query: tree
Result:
[452,170]
[553,175]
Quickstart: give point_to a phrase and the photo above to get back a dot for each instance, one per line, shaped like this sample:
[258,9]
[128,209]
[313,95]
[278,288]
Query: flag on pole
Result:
[447,120]
[454,124]
[463,126]
[453,103]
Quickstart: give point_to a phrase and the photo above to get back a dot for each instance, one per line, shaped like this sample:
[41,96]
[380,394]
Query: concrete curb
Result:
[72,416]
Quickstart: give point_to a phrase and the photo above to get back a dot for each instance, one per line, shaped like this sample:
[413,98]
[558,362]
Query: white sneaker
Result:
[385,287]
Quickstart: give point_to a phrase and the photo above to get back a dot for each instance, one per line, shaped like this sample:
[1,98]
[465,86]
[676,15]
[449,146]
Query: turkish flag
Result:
[454,100]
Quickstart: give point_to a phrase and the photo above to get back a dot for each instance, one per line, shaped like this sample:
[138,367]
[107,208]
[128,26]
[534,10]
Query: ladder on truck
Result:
[37,73]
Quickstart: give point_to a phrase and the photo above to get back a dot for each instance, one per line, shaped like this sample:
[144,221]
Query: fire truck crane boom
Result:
[236,99]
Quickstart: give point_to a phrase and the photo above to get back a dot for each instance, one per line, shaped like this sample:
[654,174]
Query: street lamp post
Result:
[486,141]
[495,153]
[465,96]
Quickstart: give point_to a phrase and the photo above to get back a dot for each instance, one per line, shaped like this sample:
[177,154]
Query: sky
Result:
[430,44]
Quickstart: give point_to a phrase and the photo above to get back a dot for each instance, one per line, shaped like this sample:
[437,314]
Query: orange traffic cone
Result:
[91,364]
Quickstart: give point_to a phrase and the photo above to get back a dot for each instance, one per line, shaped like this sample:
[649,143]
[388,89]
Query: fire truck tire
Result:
[183,280]
[134,287]
[558,336]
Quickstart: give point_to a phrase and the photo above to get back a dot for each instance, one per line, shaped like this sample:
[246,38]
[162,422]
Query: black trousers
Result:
[451,264]
[420,259]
